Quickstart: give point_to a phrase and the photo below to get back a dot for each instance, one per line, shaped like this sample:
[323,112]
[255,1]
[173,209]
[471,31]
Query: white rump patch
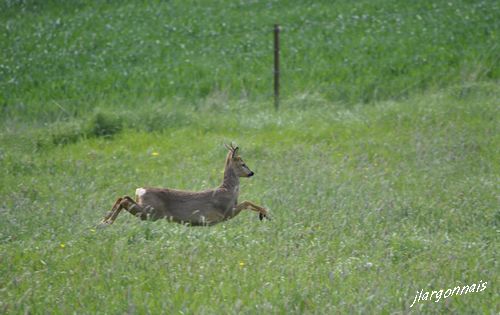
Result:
[139,192]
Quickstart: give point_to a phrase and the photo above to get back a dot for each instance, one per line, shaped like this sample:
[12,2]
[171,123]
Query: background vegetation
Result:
[380,169]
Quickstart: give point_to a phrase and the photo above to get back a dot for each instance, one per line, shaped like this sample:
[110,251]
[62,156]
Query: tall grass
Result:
[370,205]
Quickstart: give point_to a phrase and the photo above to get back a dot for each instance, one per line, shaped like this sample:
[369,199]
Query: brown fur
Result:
[206,207]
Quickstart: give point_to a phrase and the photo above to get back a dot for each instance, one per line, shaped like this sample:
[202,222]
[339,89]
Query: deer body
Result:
[196,208]
[206,207]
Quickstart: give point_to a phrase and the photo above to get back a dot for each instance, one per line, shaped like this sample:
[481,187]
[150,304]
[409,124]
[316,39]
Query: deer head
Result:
[236,162]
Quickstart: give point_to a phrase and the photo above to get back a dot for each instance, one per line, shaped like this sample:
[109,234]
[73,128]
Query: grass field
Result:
[380,169]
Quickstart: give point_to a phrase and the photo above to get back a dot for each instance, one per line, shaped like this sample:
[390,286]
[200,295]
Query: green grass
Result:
[370,205]
[380,168]
[62,59]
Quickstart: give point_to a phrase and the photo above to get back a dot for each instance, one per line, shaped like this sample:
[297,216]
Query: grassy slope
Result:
[77,56]
[371,203]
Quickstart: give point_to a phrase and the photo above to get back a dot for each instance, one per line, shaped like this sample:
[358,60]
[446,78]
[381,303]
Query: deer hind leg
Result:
[248,205]
[113,209]
[128,204]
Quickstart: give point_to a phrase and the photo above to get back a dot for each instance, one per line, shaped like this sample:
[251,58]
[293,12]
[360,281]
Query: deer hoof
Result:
[262,216]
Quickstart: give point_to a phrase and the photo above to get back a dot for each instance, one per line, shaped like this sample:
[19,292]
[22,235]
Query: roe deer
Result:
[206,207]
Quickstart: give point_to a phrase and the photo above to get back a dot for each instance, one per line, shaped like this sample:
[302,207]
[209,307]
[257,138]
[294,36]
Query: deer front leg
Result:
[248,205]
[128,204]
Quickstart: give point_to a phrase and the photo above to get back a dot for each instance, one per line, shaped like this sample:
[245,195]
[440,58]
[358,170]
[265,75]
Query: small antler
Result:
[232,148]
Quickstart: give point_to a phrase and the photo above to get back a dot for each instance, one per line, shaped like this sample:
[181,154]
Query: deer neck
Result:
[231,181]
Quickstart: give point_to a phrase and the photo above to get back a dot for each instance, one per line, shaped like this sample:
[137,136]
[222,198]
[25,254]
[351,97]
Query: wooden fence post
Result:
[276,66]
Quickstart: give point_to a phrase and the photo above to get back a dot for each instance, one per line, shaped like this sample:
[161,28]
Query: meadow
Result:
[380,168]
